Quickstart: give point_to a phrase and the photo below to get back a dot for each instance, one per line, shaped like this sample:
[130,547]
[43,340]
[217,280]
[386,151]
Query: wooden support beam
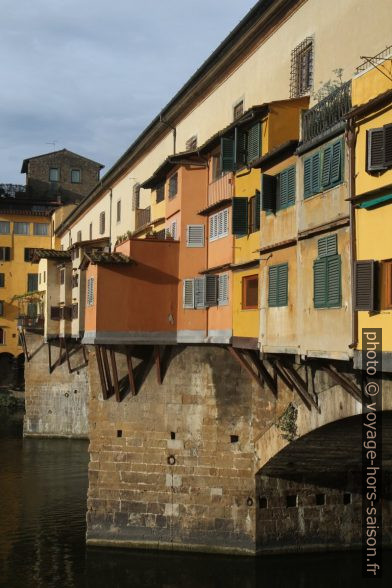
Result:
[282,374]
[50,356]
[60,357]
[67,355]
[236,353]
[115,375]
[22,335]
[84,354]
[343,381]
[101,372]
[264,373]
[131,375]
[106,370]
[299,385]
[157,356]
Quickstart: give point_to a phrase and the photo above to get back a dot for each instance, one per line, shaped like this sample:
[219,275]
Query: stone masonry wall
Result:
[202,416]
[56,404]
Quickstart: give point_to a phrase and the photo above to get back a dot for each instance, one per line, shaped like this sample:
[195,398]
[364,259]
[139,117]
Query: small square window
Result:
[238,110]
[75,176]
[54,174]
[173,185]
[292,501]
[320,499]
[250,292]
[191,144]
[301,78]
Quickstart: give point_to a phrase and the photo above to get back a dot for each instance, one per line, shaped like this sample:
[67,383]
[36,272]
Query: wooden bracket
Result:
[115,376]
[236,353]
[59,360]
[264,373]
[157,356]
[104,389]
[131,375]
[344,382]
[22,337]
[298,384]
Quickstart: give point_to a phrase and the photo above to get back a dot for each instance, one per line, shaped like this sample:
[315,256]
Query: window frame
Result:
[57,169]
[245,281]
[35,225]
[173,185]
[19,223]
[297,86]
[79,171]
[6,224]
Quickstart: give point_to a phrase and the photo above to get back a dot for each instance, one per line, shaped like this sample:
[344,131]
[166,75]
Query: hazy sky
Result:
[91,74]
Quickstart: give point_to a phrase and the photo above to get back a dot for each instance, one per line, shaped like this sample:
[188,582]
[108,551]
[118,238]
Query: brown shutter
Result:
[388,145]
[364,276]
[55,313]
[375,149]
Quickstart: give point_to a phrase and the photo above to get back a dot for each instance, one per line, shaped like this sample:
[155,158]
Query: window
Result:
[1,307]
[136,196]
[368,276]
[78,238]
[21,228]
[62,276]
[2,280]
[301,77]
[75,176]
[200,292]
[246,215]
[90,231]
[188,293]
[160,193]
[172,230]
[238,110]
[223,289]
[28,253]
[5,253]
[2,336]
[379,148]
[118,207]
[32,282]
[191,144]
[90,292]
[54,174]
[323,169]
[4,227]
[41,229]
[327,274]
[75,280]
[75,310]
[195,236]
[102,223]
[250,292]
[173,185]
[278,285]
[216,171]
[219,225]
[240,149]
[278,191]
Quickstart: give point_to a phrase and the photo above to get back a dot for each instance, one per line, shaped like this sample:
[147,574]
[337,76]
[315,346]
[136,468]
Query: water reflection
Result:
[43,486]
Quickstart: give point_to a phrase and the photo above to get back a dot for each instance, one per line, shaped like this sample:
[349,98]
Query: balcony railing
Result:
[35,323]
[142,217]
[220,189]
[327,113]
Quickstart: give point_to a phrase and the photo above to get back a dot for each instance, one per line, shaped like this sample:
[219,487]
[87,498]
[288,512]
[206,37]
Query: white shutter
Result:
[225,222]
[223,289]
[188,293]
[90,292]
[195,236]
[200,292]
[220,224]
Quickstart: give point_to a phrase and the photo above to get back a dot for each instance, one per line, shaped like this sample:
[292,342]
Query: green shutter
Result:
[375,149]
[320,282]
[32,282]
[283,285]
[291,185]
[257,211]
[254,142]
[268,191]
[227,162]
[326,167]
[315,179]
[334,297]
[283,190]
[336,165]
[308,177]
[241,147]
[327,245]
[240,216]
[273,286]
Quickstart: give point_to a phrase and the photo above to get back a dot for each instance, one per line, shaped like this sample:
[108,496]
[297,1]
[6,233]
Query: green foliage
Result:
[287,423]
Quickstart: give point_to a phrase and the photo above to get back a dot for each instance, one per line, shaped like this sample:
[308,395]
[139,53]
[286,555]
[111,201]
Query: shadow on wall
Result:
[12,371]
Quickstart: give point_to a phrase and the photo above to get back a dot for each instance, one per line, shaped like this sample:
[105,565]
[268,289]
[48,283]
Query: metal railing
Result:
[220,189]
[375,59]
[31,322]
[142,217]
[326,113]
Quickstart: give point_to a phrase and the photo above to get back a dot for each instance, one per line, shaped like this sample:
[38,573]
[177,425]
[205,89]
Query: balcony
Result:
[326,114]
[31,323]
[220,189]
[142,217]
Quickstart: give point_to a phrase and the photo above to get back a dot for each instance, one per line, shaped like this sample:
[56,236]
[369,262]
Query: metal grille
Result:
[375,60]
[326,113]
[301,76]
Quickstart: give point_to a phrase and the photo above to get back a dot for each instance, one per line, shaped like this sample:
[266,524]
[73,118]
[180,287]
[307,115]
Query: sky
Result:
[89,75]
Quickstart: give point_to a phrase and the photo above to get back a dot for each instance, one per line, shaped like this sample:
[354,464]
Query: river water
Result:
[43,487]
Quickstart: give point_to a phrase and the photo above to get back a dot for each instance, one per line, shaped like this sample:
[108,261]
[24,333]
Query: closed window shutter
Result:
[326,167]
[320,282]
[327,245]
[291,186]
[282,293]
[32,282]
[90,292]
[211,290]
[388,145]
[240,216]
[257,210]
[195,236]
[336,164]
[227,162]
[55,313]
[273,286]
[334,280]
[225,222]
[212,234]
[241,140]
[5,253]
[188,293]
[268,192]
[283,190]
[308,177]
[375,149]
[364,279]
[315,179]
[200,292]
[2,280]
[136,197]
[223,289]
[102,223]
[254,142]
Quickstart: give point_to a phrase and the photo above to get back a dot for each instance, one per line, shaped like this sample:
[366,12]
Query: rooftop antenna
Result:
[52,143]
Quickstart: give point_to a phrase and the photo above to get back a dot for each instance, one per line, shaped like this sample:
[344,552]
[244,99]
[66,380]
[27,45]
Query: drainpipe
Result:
[110,220]
[351,139]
